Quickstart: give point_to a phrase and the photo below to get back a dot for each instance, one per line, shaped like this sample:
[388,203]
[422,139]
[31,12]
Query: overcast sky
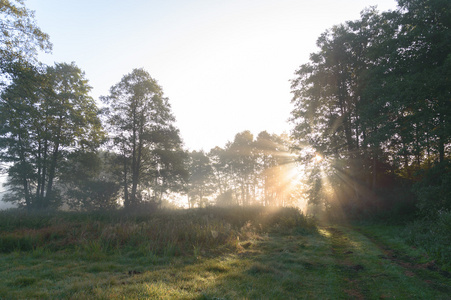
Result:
[224,65]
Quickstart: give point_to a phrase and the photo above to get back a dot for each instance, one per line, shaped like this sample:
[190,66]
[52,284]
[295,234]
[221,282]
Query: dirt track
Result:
[363,261]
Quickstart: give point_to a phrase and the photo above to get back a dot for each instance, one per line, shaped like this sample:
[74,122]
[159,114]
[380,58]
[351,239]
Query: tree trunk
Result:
[39,165]
[44,170]
[126,196]
[24,174]
[53,163]
[441,138]
[51,176]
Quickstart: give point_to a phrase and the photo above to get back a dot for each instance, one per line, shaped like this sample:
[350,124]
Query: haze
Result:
[225,65]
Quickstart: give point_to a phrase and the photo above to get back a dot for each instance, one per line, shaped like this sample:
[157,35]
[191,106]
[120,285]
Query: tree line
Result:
[60,149]
[247,171]
[370,126]
[375,102]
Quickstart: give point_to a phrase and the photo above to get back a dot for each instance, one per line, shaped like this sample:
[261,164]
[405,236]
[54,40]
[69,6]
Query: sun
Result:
[318,158]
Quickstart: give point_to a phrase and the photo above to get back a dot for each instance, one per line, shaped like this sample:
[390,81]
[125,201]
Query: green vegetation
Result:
[374,103]
[226,253]
[434,236]
[371,128]
[20,37]
[162,233]
[371,138]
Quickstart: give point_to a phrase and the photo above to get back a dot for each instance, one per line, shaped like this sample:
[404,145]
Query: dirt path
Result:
[349,270]
[428,272]
[369,269]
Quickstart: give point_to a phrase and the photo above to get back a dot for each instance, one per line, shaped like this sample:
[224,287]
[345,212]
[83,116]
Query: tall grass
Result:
[161,233]
[432,235]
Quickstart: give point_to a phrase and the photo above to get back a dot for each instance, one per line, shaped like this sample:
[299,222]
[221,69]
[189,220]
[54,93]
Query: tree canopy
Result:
[44,117]
[143,133]
[371,126]
[20,37]
[375,99]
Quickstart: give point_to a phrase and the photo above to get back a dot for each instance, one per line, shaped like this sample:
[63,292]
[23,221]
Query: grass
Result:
[236,253]
[165,233]
[424,240]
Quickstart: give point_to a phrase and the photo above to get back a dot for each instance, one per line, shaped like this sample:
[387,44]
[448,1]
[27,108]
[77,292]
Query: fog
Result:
[3,205]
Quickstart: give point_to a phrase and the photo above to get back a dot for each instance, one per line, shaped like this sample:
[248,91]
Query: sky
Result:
[225,65]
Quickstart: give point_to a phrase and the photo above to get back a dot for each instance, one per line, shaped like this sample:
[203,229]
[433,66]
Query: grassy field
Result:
[235,253]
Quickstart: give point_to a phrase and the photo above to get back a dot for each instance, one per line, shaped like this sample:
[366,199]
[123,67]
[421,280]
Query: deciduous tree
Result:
[20,37]
[44,117]
[143,133]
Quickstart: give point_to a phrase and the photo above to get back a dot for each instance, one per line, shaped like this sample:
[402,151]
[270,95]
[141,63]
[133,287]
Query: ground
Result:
[338,262]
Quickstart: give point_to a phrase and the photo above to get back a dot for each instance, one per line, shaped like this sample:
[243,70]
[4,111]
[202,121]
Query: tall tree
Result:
[45,116]
[89,181]
[20,118]
[375,98]
[200,184]
[20,37]
[141,124]
[168,170]
[276,168]
[243,162]
[253,171]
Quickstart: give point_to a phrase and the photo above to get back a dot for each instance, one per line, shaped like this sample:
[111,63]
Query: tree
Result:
[19,120]
[44,117]
[374,99]
[200,184]
[222,176]
[275,168]
[168,171]
[248,171]
[142,131]
[243,163]
[89,181]
[20,37]
[426,57]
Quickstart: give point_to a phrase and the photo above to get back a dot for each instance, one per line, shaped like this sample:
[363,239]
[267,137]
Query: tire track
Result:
[429,272]
[349,271]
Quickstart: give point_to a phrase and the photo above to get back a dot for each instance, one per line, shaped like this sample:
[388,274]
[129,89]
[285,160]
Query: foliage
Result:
[374,102]
[433,235]
[247,171]
[89,181]
[142,131]
[158,232]
[200,180]
[434,190]
[20,37]
[44,117]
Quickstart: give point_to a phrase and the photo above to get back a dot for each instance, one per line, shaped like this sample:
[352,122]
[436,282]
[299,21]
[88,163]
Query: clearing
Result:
[337,262]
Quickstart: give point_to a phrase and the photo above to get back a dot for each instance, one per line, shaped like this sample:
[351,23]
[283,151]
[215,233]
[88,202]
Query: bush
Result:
[434,190]
[10,243]
[434,236]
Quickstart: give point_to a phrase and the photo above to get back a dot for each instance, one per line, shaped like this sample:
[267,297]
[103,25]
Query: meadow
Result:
[211,253]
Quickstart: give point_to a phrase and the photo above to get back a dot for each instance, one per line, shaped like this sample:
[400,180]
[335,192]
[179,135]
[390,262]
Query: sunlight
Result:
[318,158]
[282,175]
[324,232]
[288,183]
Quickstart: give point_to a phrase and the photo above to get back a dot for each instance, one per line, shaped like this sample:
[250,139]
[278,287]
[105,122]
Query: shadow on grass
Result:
[292,261]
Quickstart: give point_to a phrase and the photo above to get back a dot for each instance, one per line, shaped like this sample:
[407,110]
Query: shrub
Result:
[434,236]
[434,190]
